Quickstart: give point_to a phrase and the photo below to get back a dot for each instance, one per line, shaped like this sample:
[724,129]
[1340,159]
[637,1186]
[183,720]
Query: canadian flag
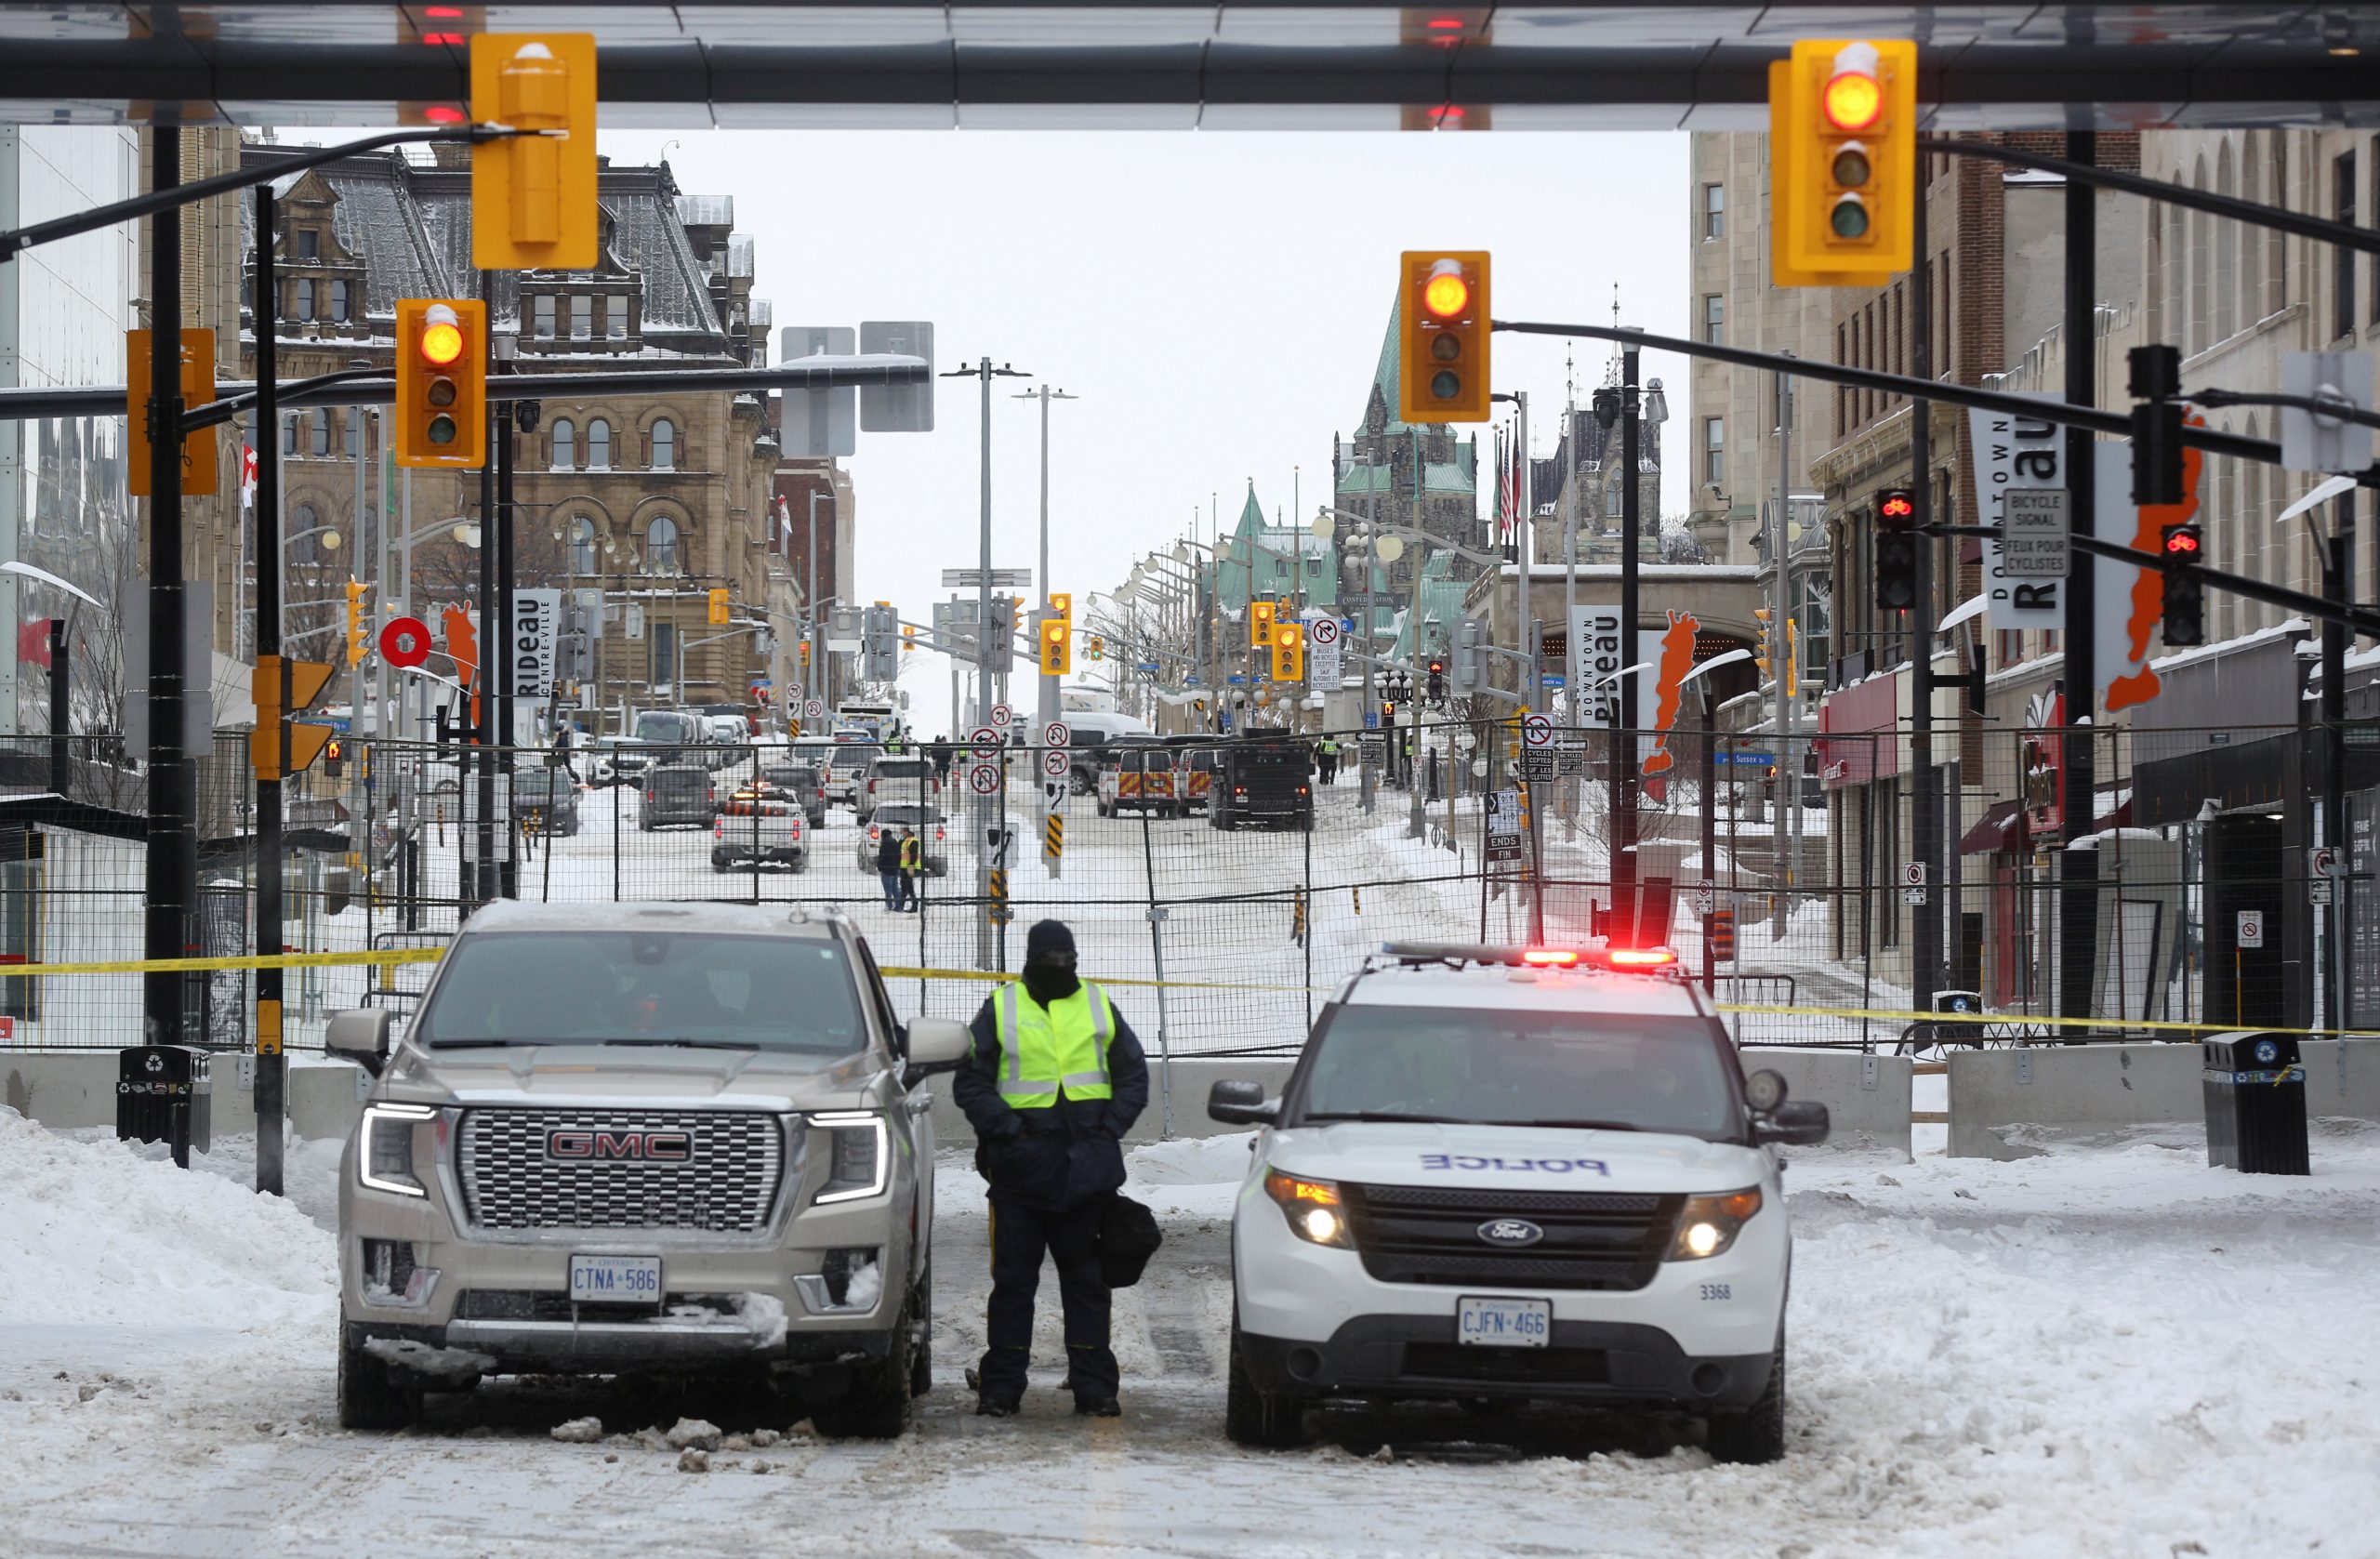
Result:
[248,476]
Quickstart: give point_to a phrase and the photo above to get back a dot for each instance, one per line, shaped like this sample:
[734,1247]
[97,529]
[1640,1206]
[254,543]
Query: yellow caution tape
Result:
[248,960]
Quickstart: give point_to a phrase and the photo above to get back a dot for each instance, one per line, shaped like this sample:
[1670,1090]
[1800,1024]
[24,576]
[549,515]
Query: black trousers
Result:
[1020,1237]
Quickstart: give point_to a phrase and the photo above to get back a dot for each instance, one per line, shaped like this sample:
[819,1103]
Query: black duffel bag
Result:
[1128,1237]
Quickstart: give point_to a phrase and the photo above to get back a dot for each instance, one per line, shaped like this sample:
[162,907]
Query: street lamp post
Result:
[1049,684]
[1632,410]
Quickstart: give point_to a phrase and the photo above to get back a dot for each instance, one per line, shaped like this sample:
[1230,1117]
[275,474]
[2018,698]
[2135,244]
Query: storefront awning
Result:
[2001,828]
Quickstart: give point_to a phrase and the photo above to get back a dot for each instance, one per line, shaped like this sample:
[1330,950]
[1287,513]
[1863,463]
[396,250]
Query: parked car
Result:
[677,793]
[670,733]
[904,777]
[760,829]
[1266,778]
[726,740]
[643,1139]
[617,760]
[545,800]
[932,831]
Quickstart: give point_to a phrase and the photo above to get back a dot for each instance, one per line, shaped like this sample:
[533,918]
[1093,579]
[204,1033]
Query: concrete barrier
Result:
[71,1089]
[2000,1098]
[1191,1082]
[1867,1097]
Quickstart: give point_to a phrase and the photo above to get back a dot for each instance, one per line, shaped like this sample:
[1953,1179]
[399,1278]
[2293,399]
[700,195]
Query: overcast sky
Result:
[1218,300]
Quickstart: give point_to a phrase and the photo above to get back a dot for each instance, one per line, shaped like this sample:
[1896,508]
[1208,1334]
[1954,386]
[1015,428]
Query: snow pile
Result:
[94,1232]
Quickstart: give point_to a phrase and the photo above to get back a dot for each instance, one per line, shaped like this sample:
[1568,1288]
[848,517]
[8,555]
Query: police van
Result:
[1512,1174]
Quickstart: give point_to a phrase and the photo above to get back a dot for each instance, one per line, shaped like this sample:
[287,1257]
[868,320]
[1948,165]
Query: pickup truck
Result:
[760,829]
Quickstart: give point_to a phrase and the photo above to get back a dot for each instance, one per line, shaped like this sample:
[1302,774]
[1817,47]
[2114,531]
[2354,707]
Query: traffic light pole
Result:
[2338,585]
[498,643]
[1623,832]
[171,870]
[483,883]
[1926,824]
[2077,899]
[270,1077]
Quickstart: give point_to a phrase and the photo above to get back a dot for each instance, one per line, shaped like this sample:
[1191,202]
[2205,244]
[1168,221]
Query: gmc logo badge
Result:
[646,1147]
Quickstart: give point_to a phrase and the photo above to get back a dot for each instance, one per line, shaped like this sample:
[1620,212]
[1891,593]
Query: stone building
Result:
[652,499]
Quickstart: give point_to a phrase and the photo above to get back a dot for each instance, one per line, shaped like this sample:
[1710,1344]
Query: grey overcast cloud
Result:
[1217,300]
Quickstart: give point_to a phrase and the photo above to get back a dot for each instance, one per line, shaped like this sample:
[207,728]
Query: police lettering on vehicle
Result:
[1551,1166]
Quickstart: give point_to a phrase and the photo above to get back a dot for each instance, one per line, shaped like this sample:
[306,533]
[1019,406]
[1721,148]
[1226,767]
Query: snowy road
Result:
[2108,1352]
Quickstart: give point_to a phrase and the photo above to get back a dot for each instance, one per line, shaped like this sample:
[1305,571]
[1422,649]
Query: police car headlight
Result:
[384,1159]
[1312,1208]
[862,1164]
[1707,1225]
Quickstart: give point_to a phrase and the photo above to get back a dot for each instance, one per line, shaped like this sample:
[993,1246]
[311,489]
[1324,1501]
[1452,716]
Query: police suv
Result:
[1513,1174]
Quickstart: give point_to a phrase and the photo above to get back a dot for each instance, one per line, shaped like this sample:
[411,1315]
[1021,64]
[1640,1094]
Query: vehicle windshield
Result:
[663,725]
[699,989]
[791,778]
[1520,1068]
[906,816]
[541,784]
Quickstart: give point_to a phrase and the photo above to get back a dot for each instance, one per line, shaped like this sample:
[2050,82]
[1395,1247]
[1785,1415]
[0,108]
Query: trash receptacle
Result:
[2256,1104]
[164,1093]
[1955,1003]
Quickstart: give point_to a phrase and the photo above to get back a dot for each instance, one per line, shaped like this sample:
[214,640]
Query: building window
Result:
[305,548]
[321,440]
[599,445]
[354,427]
[661,546]
[582,544]
[565,444]
[290,433]
[544,314]
[310,243]
[1714,211]
[1715,319]
[2343,295]
[663,670]
[338,301]
[1714,450]
[665,446]
[1612,493]
[616,318]
[582,317]
[304,300]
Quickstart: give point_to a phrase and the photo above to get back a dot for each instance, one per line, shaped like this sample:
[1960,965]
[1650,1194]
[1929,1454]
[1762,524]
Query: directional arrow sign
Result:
[984,778]
[1536,730]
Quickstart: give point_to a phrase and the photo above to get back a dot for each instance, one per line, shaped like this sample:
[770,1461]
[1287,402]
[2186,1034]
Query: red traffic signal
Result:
[1896,511]
[2181,541]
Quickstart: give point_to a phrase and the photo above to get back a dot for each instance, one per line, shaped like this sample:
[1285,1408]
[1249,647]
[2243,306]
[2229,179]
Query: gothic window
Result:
[599,445]
[542,307]
[304,549]
[661,546]
[582,544]
[582,317]
[289,434]
[565,444]
[665,446]
[338,301]
[1611,492]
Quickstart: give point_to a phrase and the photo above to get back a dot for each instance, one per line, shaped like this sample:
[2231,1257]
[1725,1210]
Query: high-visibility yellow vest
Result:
[1046,1049]
[912,854]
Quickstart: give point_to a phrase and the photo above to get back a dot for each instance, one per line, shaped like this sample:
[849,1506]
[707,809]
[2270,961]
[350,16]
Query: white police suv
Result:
[1506,1173]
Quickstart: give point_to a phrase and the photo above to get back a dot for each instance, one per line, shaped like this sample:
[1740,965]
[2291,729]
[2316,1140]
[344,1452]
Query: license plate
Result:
[615,1280]
[1504,1323]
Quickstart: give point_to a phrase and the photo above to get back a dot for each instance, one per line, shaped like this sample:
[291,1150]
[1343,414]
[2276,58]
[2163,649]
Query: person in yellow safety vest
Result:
[1326,759]
[1055,1079]
[912,861]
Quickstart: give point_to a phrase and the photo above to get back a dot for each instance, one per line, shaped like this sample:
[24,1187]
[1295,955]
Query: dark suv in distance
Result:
[545,801]
[798,782]
[679,793]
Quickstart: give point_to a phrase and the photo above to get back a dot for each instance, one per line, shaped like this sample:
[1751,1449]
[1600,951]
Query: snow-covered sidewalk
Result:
[2116,1352]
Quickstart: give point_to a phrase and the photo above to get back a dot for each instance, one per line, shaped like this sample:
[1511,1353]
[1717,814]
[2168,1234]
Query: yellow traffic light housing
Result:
[359,628]
[276,733]
[1260,623]
[533,197]
[1288,653]
[909,638]
[1763,657]
[1061,605]
[1057,647]
[442,383]
[718,616]
[1442,335]
[1843,161]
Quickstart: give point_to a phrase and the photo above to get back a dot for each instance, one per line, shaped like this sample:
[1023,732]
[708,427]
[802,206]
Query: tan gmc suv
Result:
[643,1139]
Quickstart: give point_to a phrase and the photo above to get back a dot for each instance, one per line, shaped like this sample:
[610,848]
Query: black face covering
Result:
[1048,982]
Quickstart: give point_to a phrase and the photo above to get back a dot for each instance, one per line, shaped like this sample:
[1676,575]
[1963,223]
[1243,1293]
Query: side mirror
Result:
[937,1045]
[1764,1091]
[1799,1124]
[360,1034]
[1240,1104]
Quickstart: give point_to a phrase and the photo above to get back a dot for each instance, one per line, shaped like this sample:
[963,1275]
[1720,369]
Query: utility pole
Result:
[1623,838]
[1048,707]
[2079,868]
[484,885]
[1926,824]
[171,869]
[495,643]
[1788,827]
[988,809]
[811,657]
[270,1074]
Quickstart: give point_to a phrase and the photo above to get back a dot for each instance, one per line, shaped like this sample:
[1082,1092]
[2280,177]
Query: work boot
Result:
[1098,1408]
[996,1407]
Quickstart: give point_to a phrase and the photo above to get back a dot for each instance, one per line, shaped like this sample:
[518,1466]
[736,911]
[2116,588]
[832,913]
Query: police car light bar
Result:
[1642,957]
[1550,958]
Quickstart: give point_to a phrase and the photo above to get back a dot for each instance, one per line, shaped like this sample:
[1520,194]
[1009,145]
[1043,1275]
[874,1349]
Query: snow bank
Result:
[94,1232]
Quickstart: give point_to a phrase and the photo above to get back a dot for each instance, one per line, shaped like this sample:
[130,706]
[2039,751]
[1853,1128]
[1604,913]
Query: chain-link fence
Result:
[1793,899]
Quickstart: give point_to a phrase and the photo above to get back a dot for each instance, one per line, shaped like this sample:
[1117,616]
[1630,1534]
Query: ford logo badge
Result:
[1510,1233]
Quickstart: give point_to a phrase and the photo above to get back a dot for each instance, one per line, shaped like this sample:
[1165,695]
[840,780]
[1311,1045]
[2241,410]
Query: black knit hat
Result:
[1050,941]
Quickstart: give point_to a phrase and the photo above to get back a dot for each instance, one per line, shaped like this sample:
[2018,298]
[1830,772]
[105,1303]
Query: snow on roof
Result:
[739,254]
[2288,627]
[707,211]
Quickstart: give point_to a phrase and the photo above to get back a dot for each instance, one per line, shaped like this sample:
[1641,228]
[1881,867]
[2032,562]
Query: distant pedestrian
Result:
[1325,760]
[912,861]
[888,866]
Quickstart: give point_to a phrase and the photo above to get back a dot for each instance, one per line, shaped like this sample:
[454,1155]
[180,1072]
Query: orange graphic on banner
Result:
[463,649]
[2148,591]
[1677,659]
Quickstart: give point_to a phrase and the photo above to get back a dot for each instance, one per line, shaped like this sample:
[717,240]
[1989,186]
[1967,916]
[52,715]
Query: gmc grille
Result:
[727,1183]
[1429,1234]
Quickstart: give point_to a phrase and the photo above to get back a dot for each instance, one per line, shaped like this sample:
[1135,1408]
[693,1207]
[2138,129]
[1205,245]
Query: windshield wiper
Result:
[1580,1125]
[686,1044]
[1389,1116]
[480,1044]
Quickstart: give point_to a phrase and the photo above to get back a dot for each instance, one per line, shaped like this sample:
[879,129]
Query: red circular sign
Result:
[405,642]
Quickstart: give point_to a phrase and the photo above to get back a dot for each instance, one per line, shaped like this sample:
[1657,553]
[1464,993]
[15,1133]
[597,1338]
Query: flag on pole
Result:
[248,476]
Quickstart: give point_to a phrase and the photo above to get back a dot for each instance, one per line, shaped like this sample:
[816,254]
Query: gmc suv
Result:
[641,1138]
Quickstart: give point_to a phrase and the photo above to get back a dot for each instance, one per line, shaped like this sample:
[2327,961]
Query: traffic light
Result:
[1895,550]
[334,758]
[1843,161]
[1061,605]
[359,628]
[1057,647]
[1442,335]
[1723,935]
[2185,618]
[1097,648]
[718,607]
[280,747]
[533,197]
[2156,381]
[1437,688]
[442,382]
[1763,655]
[1288,653]
[1260,623]
[909,638]
[1470,655]
[1388,711]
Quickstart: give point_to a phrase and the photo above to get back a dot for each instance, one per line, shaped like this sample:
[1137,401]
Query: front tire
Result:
[1267,1421]
[921,1313]
[877,1405]
[1756,1436]
[366,1397]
